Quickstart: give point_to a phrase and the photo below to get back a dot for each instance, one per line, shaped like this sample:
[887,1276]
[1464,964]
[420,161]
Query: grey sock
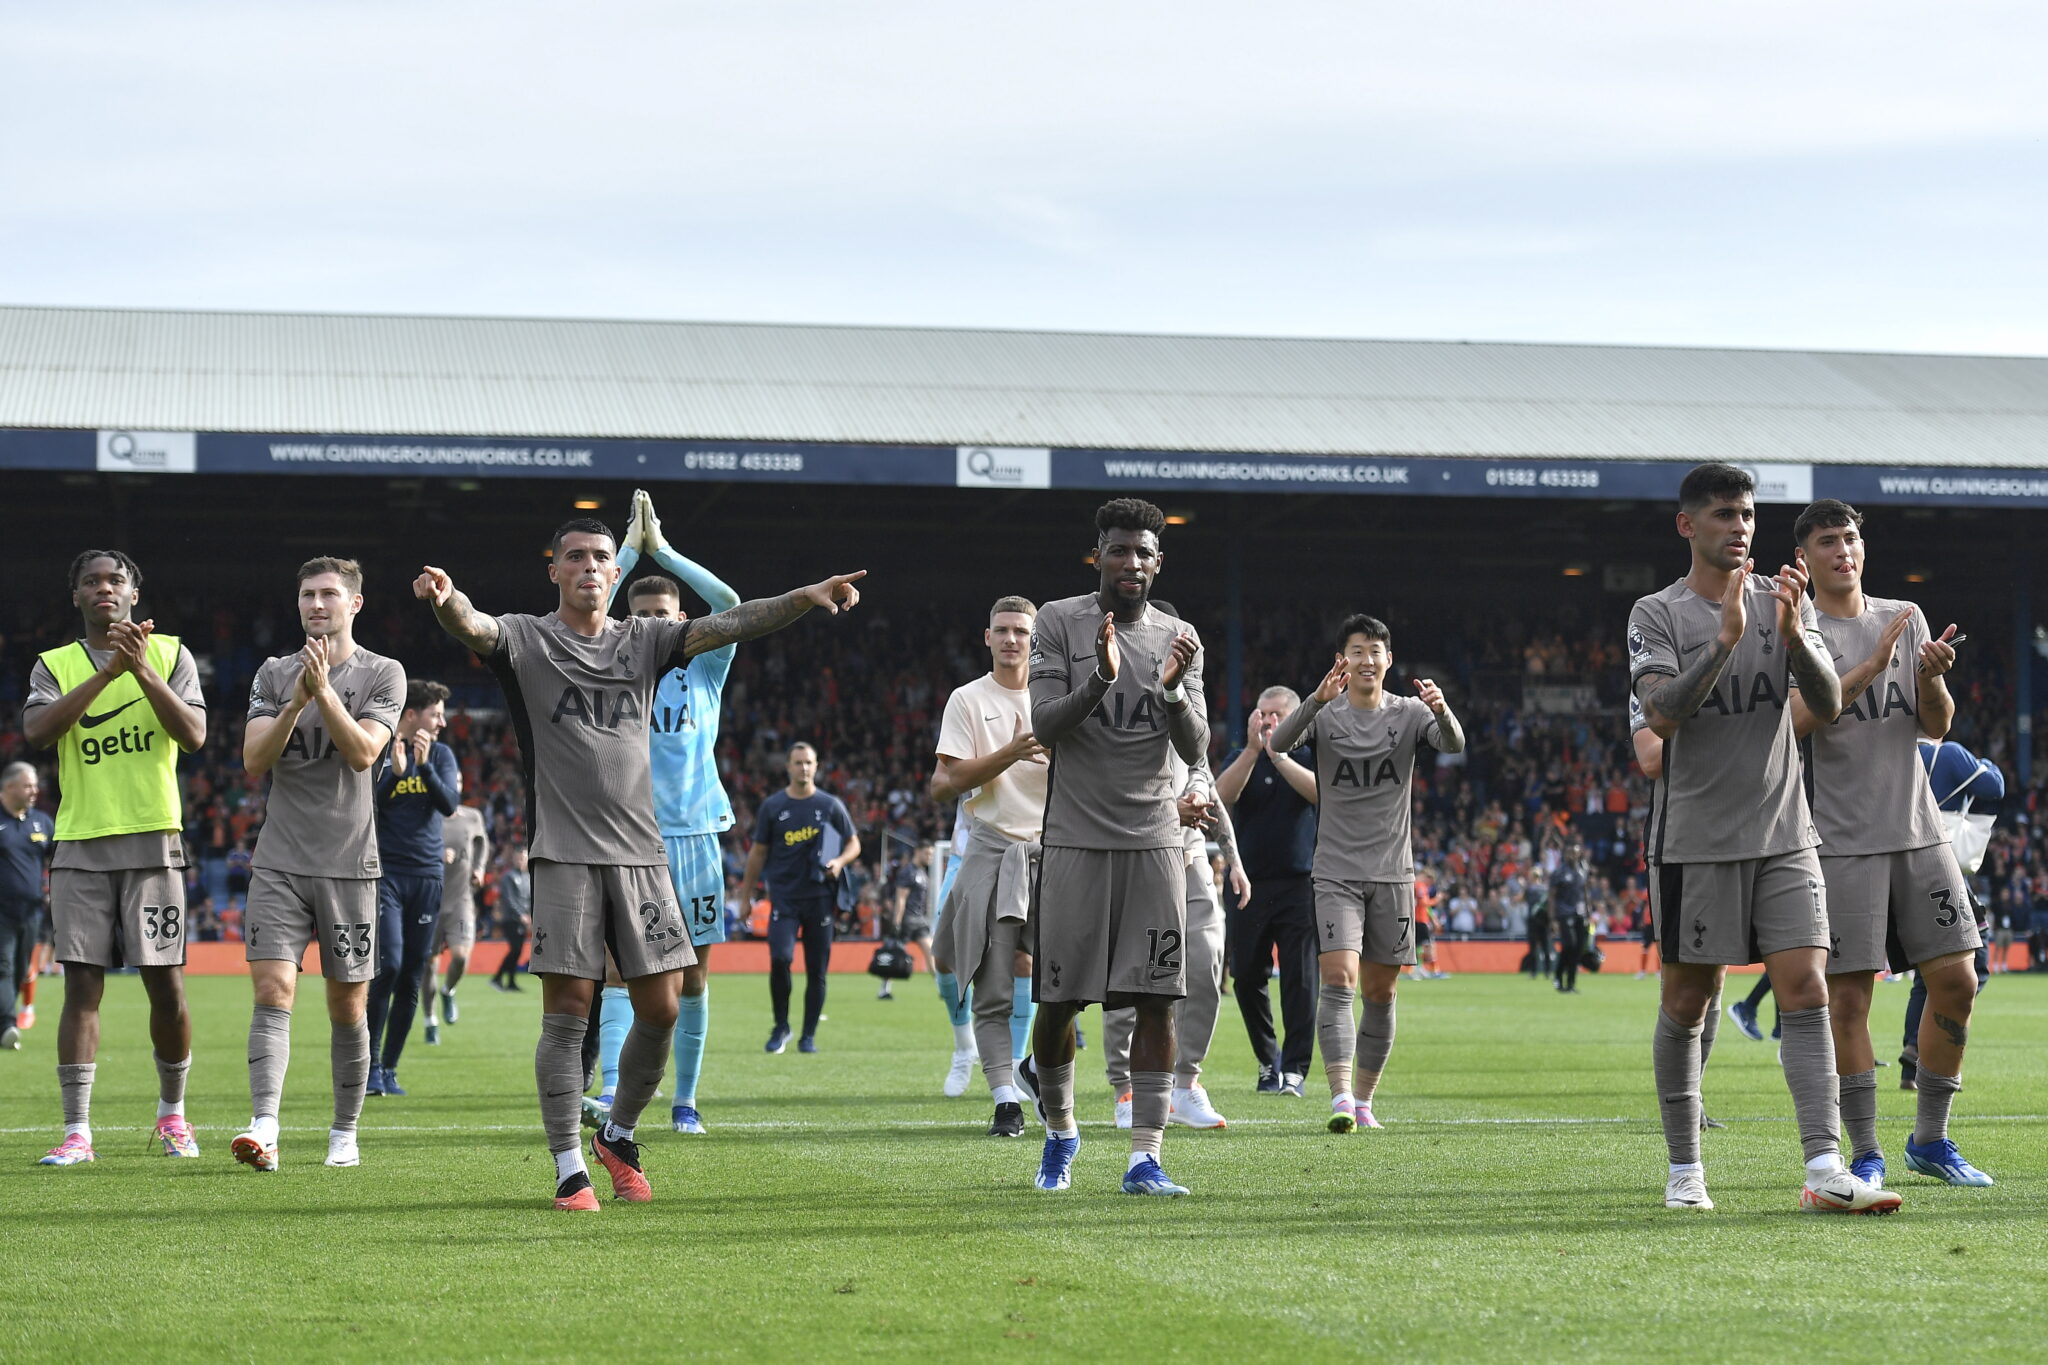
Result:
[1338,1035]
[170,1079]
[1375,1043]
[1809,1051]
[643,1061]
[1056,1093]
[74,1083]
[1675,1059]
[1859,1112]
[348,1051]
[1712,1027]
[1151,1097]
[558,1075]
[1937,1093]
[270,1052]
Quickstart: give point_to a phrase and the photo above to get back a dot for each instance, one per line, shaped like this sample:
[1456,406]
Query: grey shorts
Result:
[1897,909]
[1376,920]
[288,910]
[582,909]
[1736,913]
[458,919]
[131,918]
[1109,925]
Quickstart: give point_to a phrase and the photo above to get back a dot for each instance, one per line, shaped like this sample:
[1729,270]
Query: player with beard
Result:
[1894,886]
[1115,685]
[580,687]
[318,720]
[119,706]
[989,760]
[1366,746]
[1734,871]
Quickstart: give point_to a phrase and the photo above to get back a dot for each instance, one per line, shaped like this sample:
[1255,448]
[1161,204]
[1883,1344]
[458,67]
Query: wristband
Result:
[1175,695]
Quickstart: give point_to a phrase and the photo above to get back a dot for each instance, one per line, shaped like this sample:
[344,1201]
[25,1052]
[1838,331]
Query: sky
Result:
[1867,176]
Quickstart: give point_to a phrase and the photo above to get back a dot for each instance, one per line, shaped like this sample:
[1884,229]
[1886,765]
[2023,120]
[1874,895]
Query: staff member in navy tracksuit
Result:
[417,783]
[803,841]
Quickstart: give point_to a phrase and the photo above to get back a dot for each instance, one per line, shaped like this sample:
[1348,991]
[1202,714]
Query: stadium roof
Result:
[330,374]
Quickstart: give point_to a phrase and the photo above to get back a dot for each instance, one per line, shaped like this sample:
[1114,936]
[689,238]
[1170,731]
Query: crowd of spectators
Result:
[1549,754]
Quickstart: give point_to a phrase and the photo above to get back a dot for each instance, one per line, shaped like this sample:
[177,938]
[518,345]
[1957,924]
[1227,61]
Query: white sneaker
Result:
[1123,1110]
[960,1073]
[341,1149]
[1843,1191]
[1687,1190]
[1290,1083]
[1191,1109]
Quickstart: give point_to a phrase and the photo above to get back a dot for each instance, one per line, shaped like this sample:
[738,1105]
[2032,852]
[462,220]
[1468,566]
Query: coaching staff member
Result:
[1272,798]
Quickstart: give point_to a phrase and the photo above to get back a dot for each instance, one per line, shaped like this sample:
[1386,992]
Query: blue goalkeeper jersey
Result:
[682,737]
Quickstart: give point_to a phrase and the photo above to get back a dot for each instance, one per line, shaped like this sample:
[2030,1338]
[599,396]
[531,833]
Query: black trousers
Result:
[1281,916]
[1571,946]
[408,913]
[812,921]
[19,921]
[515,944]
[1539,947]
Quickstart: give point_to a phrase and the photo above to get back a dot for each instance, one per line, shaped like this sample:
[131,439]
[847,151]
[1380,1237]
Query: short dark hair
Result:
[1128,514]
[128,566]
[1822,514]
[420,693]
[654,585]
[349,571]
[1371,627]
[1004,604]
[1705,482]
[804,744]
[589,526]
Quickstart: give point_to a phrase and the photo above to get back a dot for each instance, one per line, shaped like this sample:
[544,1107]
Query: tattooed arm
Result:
[1812,669]
[766,615]
[453,610]
[1670,700]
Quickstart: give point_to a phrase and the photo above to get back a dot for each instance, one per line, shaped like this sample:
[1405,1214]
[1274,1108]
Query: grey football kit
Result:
[1110,906]
[1892,878]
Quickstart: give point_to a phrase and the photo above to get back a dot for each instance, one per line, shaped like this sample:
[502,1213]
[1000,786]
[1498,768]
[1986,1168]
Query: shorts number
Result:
[161,921]
[351,938]
[1165,948]
[1945,917]
[650,912]
[1401,934]
[704,911]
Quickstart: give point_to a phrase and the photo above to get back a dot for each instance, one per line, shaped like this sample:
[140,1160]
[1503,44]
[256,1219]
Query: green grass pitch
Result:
[841,1208]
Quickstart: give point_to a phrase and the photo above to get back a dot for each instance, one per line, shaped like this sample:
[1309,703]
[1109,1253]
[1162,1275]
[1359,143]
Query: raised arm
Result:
[1857,680]
[1937,707]
[1289,734]
[1448,736]
[1055,711]
[766,615]
[271,720]
[453,610]
[1812,669]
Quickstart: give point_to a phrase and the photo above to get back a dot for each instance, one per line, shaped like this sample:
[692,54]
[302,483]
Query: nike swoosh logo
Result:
[557,1094]
[1081,658]
[1691,649]
[89,720]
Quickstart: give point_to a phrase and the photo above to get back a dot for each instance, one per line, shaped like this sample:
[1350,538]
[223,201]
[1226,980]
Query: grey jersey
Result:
[1365,783]
[1731,787]
[580,704]
[1870,792]
[321,818]
[463,834]
[118,852]
[1112,783]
